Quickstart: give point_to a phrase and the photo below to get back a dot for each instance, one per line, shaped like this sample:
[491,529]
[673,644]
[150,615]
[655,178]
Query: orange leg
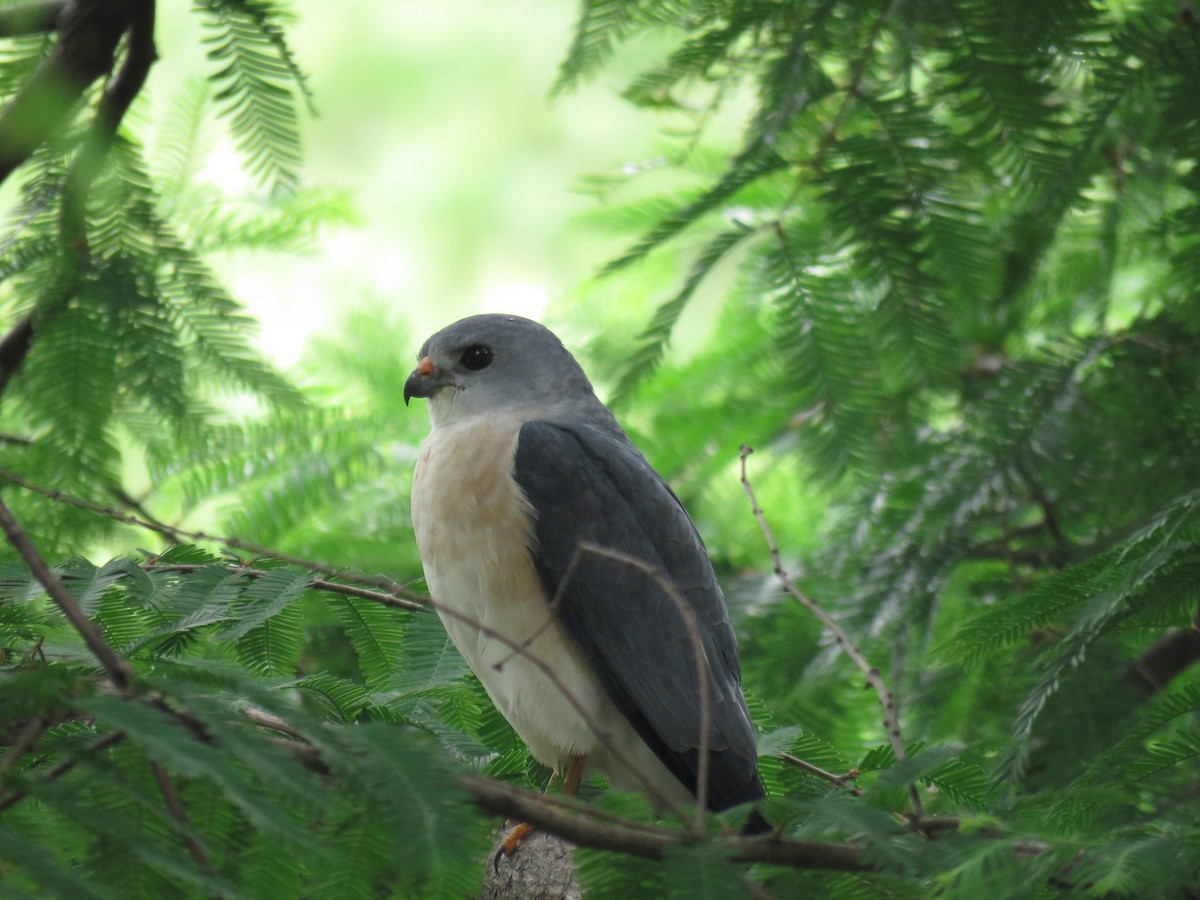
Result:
[574,775]
[570,787]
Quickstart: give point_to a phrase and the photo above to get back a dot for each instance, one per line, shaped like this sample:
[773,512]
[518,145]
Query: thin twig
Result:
[25,740]
[179,813]
[177,535]
[873,676]
[109,740]
[1050,514]
[318,584]
[700,657]
[839,781]
[118,669]
[555,601]
[393,599]
[697,644]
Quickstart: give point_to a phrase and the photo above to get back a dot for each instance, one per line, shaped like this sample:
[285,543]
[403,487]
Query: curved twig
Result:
[873,676]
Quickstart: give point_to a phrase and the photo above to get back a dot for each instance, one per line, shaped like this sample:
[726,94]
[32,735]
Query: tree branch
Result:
[89,31]
[30,18]
[560,818]
[13,349]
[140,54]
[118,669]
[1164,659]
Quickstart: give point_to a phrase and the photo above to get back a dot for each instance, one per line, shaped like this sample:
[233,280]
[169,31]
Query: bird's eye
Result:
[477,357]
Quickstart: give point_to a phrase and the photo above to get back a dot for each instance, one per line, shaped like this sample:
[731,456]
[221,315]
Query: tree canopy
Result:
[942,274]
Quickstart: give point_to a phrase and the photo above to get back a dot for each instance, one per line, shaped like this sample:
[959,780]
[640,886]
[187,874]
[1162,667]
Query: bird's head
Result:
[494,363]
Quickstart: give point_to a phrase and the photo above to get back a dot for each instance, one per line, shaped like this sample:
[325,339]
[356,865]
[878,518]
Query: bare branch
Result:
[319,584]
[118,669]
[392,597]
[838,781]
[872,674]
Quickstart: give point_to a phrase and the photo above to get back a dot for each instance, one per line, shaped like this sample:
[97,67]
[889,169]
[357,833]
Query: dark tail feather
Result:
[756,824]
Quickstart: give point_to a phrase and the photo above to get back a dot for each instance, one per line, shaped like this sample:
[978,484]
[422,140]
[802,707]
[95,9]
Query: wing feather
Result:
[588,484]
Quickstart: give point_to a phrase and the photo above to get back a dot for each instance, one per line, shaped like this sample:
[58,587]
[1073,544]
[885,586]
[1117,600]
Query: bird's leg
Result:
[571,779]
[573,776]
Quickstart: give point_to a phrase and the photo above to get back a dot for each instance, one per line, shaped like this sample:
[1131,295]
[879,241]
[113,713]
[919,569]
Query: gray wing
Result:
[589,484]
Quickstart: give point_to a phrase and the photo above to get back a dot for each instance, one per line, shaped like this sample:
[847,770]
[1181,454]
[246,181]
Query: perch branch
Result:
[497,797]
[873,676]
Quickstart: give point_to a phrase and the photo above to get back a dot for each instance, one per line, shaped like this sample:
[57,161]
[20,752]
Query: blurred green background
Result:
[434,120]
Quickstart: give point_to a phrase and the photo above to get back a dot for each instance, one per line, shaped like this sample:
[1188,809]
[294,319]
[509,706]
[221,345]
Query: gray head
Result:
[492,363]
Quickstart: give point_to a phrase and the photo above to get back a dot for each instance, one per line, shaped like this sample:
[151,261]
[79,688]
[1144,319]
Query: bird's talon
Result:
[512,842]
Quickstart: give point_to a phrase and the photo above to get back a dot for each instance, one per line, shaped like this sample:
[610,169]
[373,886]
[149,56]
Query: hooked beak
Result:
[421,382]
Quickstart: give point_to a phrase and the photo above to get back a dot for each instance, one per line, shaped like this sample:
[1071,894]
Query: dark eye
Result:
[477,357]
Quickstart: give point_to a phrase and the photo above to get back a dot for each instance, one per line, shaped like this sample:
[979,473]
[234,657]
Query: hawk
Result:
[523,475]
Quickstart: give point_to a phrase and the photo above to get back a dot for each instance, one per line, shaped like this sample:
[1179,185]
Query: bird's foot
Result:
[512,841]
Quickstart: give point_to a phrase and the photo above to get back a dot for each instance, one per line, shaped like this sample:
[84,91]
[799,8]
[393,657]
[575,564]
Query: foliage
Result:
[957,311]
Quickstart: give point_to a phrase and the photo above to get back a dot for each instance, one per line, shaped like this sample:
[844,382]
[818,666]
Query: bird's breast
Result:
[474,530]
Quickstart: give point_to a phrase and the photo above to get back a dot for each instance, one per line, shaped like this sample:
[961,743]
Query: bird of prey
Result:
[523,471]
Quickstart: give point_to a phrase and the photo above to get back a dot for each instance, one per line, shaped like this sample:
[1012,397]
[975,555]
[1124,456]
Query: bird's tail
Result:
[756,824]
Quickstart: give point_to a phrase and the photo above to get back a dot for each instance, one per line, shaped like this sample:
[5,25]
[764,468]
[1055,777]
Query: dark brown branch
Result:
[89,31]
[118,669]
[1164,659]
[1050,514]
[319,584]
[499,798]
[13,349]
[30,18]
[139,56]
